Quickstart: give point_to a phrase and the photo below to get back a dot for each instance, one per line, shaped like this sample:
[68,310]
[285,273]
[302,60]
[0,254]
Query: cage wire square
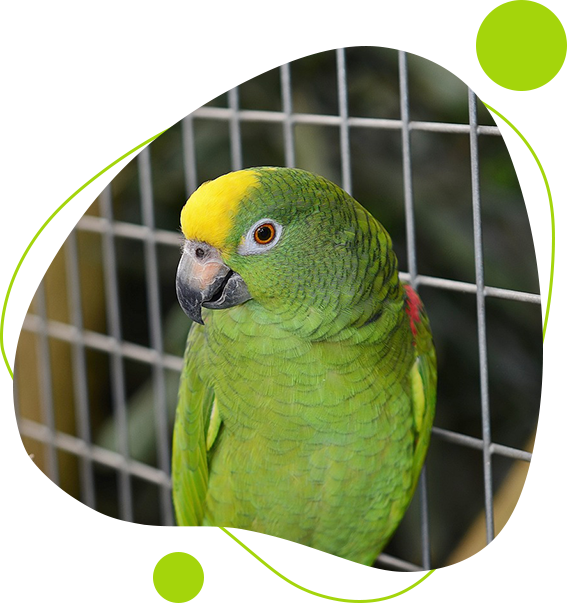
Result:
[104,435]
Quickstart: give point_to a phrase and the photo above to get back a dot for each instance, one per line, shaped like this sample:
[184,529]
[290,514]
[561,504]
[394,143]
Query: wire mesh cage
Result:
[100,355]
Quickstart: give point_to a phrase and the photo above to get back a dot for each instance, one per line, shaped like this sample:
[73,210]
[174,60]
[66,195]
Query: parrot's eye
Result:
[265,233]
[261,237]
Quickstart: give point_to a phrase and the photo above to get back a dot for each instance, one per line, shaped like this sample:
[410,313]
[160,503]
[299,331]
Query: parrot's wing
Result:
[423,377]
[197,424]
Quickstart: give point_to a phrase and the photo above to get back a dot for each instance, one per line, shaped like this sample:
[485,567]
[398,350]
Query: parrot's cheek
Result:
[204,280]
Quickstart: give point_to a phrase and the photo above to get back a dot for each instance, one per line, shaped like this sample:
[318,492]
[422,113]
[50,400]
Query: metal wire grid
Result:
[120,350]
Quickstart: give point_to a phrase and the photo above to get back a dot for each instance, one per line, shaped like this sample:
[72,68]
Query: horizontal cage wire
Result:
[151,238]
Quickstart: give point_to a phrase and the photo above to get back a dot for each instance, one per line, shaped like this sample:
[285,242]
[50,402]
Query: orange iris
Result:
[264,234]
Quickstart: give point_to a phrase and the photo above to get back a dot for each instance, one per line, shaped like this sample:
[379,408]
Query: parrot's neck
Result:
[355,308]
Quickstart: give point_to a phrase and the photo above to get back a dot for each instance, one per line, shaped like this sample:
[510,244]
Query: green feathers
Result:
[305,410]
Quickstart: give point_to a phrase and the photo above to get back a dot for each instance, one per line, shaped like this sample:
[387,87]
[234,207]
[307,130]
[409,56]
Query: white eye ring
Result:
[249,246]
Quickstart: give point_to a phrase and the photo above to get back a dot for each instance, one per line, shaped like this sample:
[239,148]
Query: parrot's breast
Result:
[317,440]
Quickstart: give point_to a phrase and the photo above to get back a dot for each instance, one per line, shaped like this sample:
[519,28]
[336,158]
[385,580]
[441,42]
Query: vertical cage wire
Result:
[46,386]
[189,157]
[154,356]
[79,368]
[407,168]
[346,171]
[235,138]
[118,380]
[412,263]
[287,107]
[481,317]
[156,337]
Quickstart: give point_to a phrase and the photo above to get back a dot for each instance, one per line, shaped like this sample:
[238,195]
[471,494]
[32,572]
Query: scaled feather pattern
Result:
[305,410]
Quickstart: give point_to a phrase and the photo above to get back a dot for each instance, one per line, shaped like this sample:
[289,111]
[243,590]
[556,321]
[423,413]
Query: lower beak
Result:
[204,280]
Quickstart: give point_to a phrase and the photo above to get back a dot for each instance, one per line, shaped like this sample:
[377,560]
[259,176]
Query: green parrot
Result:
[308,390]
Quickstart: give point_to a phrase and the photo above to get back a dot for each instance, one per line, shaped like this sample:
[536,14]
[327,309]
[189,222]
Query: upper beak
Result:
[203,279]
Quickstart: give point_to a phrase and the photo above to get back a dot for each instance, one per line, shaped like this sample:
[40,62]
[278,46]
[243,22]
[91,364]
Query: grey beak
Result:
[204,280]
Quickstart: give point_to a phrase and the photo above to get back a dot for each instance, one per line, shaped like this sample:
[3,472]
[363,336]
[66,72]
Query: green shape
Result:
[178,577]
[288,585]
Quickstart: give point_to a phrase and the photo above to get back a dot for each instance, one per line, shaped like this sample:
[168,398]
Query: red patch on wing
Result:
[413,308]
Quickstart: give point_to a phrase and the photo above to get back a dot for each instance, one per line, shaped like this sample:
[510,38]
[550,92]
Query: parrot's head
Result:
[292,241]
